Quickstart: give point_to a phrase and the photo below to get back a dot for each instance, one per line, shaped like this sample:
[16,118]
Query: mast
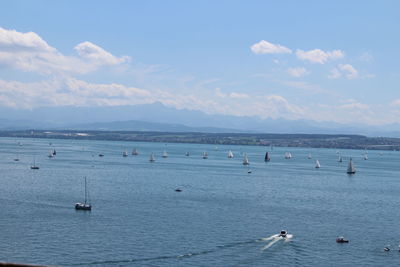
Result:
[85,191]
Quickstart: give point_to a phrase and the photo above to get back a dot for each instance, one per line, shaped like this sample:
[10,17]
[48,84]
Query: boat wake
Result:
[275,239]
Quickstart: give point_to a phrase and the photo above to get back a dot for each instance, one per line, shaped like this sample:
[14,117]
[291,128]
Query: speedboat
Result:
[386,249]
[341,239]
[283,233]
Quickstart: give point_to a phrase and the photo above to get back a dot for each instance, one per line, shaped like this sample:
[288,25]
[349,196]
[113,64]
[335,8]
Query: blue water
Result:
[220,217]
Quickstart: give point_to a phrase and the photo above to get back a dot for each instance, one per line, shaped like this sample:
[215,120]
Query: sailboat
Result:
[351,169]
[34,167]
[317,165]
[365,156]
[230,154]
[152,158]
[54,152]
[125,153]
[205,155]
[246,160]
[340,159]
[84,205]
[165,154]
[288,155]
[50,154]
[267,157]
[187,154]
[309,156]
[135,152]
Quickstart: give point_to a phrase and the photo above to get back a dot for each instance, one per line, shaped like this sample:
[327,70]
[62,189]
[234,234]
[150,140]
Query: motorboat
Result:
[178,190]
[283,233]
[341,239]
[386,249]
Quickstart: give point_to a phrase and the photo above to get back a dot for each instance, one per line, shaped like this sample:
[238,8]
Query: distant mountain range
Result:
[157,117]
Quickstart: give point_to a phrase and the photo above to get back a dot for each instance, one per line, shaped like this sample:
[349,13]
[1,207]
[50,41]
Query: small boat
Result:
[165,154]
[351,169]
[152,158]
[84,205]
[230,154]
[317,165]
[16,159]
[309,156]
[365,156]
[187,154]
[386,248]
[135,152]
[283,233]
[246,160]
[125,153]
[101,155]
[178,190]
[205,155]
[54,152]
[341,239]
[267,157]
[50,154]
[34,167]
[248,171]
[340,159]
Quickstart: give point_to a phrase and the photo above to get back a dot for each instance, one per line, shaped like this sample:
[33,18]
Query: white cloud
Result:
[29,52]
[298,72]
[350,71]
[264,47]
[346,70]
[318,55]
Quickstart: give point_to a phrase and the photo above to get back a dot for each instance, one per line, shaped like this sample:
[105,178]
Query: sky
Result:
[330,61]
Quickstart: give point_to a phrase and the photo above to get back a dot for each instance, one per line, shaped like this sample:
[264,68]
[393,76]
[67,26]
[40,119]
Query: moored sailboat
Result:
[84,205]
[34,167]
[165,154]
[205,155]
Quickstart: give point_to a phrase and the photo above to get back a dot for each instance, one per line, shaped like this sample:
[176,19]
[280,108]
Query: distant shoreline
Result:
[337,141]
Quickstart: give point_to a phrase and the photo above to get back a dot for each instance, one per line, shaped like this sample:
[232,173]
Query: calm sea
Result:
[222,217]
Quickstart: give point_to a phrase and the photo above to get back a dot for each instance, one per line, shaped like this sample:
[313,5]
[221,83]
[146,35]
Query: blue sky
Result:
[317,60]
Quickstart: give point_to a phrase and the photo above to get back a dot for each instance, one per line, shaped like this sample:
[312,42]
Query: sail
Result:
[267,157]
[340,159]
[317,165]
[351,169]
[230,154]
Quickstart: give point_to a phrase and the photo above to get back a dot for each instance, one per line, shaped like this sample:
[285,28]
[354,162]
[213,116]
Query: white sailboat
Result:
[152,158]
[135,152]
[205,155]
[340,159]
[288,155]
[125,153]
[230,154]
[317,165]
[165,154]
[84,205]
[246,160]
[351,169]
[50,154]
[187,154]
[309,156]
[365,156]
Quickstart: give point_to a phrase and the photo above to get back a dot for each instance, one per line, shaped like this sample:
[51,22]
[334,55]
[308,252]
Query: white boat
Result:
[135,152]
[309,156]
[84,205]
[152,158]
[125,153]
[351,169]
[246,160]
[288,155]
[340,159]
[165,154]
[50,154]
[317,165]
[365,156]
[205,155]
[230,154]
[187,154]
